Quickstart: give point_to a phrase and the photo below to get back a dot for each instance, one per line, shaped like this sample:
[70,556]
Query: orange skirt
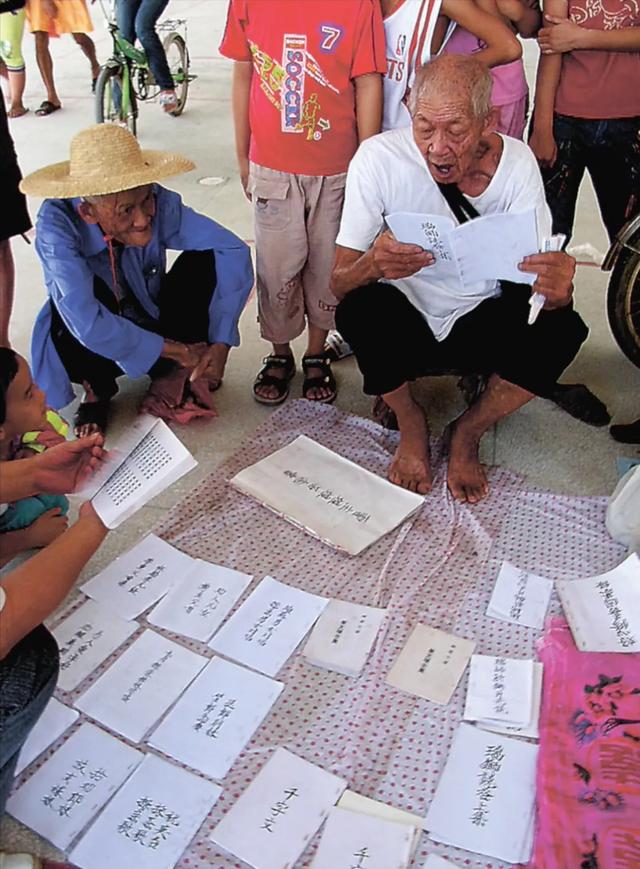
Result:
[73,17]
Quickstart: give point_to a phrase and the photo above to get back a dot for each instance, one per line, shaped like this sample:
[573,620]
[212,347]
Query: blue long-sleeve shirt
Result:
[74,252]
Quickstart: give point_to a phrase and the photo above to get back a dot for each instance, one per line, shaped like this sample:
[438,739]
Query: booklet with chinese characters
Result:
[350,839]
[343,636]
[327,495]
[520,597]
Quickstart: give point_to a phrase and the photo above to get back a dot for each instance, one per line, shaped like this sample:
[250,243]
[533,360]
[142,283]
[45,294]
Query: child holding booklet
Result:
[307,88]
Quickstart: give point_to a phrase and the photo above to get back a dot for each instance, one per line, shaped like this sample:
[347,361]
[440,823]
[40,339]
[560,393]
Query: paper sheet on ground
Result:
[484,801]
[53,722]
[604,611]
[141,685]
[357,803]
[350,839]
[157,461]
[198,605]
[520,597]
[531,730]
[343,636]
[275,818]
[268,626]
[150,821]
[61,797]
[86,638]
[431,663]
[327,495]
[486,248]
[216,717]
[139,577]
[500,690]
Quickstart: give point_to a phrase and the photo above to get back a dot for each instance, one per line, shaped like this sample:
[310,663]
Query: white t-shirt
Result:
[388,174]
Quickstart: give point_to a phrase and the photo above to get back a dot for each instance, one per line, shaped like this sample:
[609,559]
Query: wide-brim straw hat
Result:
[105,159]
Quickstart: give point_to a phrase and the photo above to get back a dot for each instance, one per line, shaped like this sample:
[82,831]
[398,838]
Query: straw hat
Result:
[105,158]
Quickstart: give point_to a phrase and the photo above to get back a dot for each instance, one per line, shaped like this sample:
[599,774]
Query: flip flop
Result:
[46,108]
[92,412]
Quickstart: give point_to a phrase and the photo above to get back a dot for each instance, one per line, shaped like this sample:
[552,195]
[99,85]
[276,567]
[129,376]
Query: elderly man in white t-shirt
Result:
[402,324]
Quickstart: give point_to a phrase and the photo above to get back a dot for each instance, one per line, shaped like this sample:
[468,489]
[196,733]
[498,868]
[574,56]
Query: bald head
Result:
[458,77]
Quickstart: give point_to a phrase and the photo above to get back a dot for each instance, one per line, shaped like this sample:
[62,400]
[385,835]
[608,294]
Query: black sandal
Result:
[281,384]
[326,379]
[92,413]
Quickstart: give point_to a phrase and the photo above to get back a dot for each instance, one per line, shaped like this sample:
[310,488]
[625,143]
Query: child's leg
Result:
[281,252]
[89,50]
[11,31]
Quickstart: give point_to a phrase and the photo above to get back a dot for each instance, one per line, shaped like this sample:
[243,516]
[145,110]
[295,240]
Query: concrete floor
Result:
[552,450]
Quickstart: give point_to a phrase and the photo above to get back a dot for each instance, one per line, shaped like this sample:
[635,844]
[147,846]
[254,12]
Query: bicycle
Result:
[125,79]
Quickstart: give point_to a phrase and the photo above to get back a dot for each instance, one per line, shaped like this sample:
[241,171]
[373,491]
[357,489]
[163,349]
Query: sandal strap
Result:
[316,362]
[278,362]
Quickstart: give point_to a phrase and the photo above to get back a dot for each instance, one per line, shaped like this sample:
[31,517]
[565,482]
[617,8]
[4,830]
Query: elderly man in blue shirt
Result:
[102,235]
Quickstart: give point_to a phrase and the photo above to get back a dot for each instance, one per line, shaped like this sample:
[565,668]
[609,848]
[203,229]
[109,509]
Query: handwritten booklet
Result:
[265,631]
[198,605]
[520,597]
[276,817]
[53,722]
[485,798]
[531,728]
[350,839]
[328,496]
[216,717]
[431,664]
[500,690]
[148,460]
[140,577]
[145,680]
[343,636]
[150,821]
[61,797]
[86,638]
[484,249]
[604,611]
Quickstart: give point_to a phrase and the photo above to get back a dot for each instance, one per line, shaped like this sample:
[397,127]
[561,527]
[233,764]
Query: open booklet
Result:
[486,248]
[146,460]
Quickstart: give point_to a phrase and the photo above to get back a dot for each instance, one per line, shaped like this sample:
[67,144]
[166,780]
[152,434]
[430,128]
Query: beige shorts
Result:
[296,223]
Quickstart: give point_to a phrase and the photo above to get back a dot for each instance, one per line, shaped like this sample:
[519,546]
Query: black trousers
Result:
[184,300]
[393,343]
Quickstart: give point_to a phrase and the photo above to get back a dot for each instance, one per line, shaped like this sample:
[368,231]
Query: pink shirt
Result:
[509,81]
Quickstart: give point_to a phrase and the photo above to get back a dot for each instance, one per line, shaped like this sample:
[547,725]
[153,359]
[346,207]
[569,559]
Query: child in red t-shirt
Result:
[307,88]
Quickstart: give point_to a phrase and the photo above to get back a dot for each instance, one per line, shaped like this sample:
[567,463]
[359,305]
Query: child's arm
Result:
[36,588]
[565,35]
[368,95]
[501,44]
[42,532]
[242,73]
[524,15]
[542,142]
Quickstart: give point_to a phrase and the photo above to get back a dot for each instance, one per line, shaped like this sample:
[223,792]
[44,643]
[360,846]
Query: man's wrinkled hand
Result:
[394,260]
[211,365]
[555,272]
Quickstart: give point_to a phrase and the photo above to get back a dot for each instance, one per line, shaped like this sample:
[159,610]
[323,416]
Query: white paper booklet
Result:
[53,722]
[485,798]
[484,249]
[328,496]
[604,611]
[141,685]
[150,821]
[198,605]
[357,803]
[500,690]
[276,817]
[343,636]
[61,797]
[520,597]
[531,730]
[139,577]
[86,638]
[140,473]
[216,717]
[265,631]
[352,839]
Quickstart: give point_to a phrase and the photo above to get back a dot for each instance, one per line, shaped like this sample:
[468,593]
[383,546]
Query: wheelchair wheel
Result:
[178,60]
[109,100]
[623,301]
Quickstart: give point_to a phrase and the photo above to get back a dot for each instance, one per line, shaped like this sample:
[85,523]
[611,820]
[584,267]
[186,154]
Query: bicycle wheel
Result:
[623,302]
[109,100]
[178,60]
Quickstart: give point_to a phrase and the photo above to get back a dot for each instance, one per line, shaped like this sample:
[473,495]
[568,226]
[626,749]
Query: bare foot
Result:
[466,478]
[410,466]
[17,111]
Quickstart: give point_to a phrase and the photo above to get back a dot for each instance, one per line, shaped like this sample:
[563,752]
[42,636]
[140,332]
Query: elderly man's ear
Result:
[86,212]
[491,121]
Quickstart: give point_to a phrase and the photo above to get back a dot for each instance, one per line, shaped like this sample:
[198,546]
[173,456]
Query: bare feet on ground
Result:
[410,466]
[466,477]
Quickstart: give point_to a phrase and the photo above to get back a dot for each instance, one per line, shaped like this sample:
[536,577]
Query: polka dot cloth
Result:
[439,568]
